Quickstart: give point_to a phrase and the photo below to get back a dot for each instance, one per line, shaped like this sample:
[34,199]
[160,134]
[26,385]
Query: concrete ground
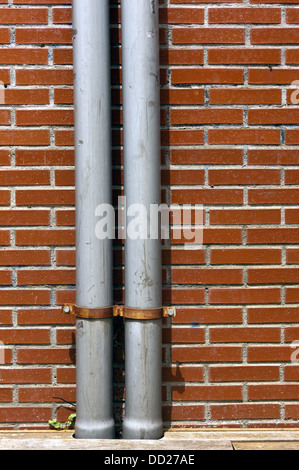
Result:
[173,440]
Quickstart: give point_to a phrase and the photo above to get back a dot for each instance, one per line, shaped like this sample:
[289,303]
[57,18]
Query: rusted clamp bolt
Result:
[171,312]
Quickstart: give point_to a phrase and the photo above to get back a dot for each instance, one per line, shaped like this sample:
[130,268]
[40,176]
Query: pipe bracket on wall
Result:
[120,311]
[90,313]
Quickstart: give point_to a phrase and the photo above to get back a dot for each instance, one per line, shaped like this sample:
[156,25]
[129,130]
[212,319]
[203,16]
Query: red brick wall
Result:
[229,141]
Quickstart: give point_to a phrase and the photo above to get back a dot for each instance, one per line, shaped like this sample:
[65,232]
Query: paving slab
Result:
[173,440]
[274,445]
[63,441]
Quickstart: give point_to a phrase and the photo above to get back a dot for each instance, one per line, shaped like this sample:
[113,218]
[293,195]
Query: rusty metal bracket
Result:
[143,314]
[89,313]
[120,311]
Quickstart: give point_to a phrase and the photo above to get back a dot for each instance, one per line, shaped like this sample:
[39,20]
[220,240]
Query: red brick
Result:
[273,275]
[24,137]
[245,96]
[245,411]
[45,356]
[269,354]
[30,217]
[206,116]
[45,237]
[245,216]
[274,36]
[63,96]
[46,157]
[65,217]
[11,257]
[6,317]
[207,354]
[6,394]
[245,335]
[272,235]
[5,279]
[44,77]
[292,15]
[45,394]
[46,277]
[179,413]
[292,216]
[43,35]
[207,196]
[24,96]
[183,296]
[23,15]
[207,393]
[4,35]
[28,414]
[208,315]
[292,56]
[25,336]
[243,177]
[63,56]
[245,256]
[206,276]
[292,137]
[182,177]
[208,75]
[291,334]
[13,177]
[48,316]
[181,15]
[247,373]
[244,15]
[24,297]
[244,56]
[179,257]
[23,56]
[273,392]
[291,412]
[208,36]
[183,335]
[64,138]
[172,56]
[244,296]
[273,196]
[206,156]
[25,376]
[66,375]
[182,96]
[291,295]
[273,315]
[272,76]
[273,116]
[272,157]
[291,373]
[46,197]
[32,117]
[182,373]
[244,136]
[292,256]
[62,15]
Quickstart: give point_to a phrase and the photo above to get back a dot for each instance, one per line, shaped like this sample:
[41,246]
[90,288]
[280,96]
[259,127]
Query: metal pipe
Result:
[141,140]
[93,187]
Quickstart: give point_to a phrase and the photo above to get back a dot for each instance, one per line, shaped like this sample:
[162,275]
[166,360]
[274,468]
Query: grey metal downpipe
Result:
[141,121]
[93,187]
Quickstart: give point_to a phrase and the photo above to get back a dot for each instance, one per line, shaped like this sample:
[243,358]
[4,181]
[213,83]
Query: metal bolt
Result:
[171,312]
[66,309]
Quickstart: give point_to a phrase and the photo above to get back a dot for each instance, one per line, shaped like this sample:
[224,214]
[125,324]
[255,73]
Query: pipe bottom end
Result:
[138,429]
[95,430]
